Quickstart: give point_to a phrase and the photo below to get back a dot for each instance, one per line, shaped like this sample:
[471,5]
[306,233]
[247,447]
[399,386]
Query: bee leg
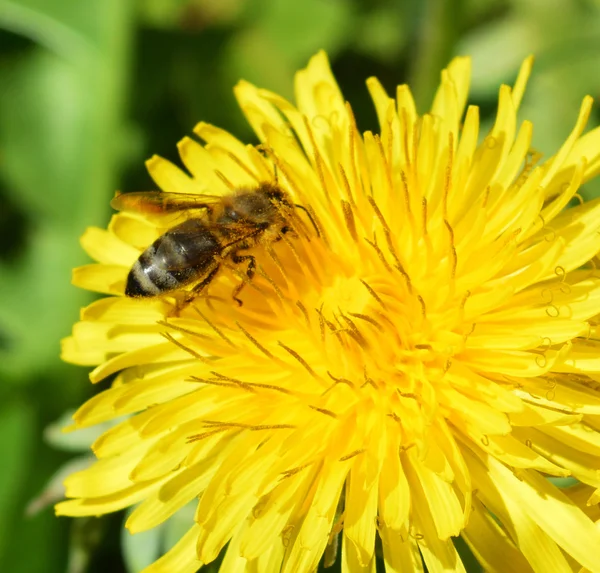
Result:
[250,270]
[201,285]
[285,229]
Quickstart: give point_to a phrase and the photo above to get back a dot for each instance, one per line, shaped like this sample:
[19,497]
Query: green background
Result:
[90,88]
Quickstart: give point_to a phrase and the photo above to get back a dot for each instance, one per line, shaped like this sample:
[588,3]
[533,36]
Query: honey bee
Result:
[193,252]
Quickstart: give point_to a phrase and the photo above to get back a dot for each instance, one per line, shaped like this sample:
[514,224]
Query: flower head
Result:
[412,371]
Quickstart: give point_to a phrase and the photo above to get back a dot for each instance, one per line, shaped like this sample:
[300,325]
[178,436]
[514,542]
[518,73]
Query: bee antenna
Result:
[309,215]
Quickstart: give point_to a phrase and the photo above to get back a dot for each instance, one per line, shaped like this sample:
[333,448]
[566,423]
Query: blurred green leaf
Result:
[39,281]
[179,523]
[299,29]
[162,13]
[87,534]
[254,57]
[437,32]
[281,36]
[54,491]
[383,32]
[52,24]
[497,51]
[142,549]
[61,108]
[560,35]
[28,466]
[477,11]
[188,14]
[16,435]
[50,92]
[60,112]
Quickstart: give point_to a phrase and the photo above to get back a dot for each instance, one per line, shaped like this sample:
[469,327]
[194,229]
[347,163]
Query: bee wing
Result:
[159,202]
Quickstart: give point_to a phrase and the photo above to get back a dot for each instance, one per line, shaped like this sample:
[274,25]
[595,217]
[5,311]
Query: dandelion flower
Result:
[412,374]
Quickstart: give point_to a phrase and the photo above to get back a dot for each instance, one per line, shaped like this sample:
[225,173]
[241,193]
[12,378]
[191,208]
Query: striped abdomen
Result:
[183,254]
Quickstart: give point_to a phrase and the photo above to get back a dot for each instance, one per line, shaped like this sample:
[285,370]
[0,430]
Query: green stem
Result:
[435,43]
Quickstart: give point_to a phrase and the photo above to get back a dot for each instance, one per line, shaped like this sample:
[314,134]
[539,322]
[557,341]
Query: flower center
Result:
[346,294]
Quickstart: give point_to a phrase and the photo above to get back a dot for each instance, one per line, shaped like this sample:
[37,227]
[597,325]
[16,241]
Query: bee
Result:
[218,228]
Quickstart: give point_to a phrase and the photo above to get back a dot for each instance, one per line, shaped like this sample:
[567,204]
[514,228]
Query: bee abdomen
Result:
[146,278]
[174,260]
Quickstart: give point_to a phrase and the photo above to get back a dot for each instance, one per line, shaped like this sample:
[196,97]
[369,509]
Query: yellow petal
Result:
[181,558]
[171,179]
[352,560]
[133,229]
[579,436]
[201,164]
[273,512]
[400,551]
[107,279]
[490,544]
[317,92]
[105,247]
[105,504]
[361,511]
[161,352]
[521,83]
[107,476]
[309,541]
[173,494]
[258,112]
[394,490]
[538,548]
[444,507]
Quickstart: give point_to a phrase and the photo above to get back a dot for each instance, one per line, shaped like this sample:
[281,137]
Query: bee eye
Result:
[233,214]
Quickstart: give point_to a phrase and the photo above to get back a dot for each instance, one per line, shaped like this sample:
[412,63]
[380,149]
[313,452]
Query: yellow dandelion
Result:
[412,373]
